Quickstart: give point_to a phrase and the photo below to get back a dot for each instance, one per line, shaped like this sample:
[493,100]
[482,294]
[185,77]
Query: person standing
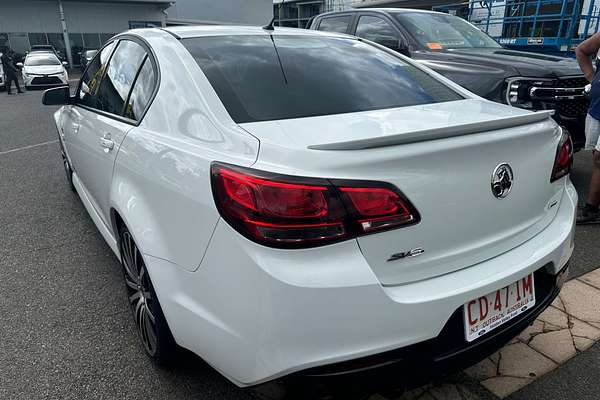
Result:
[11,71]
[590,213]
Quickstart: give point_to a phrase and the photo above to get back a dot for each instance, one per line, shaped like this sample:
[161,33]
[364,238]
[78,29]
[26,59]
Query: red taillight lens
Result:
[275,198]
[278,212]
[564,158]
[378,208]
[286,211]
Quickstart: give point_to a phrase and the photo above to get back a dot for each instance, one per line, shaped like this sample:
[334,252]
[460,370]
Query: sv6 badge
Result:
[411,253]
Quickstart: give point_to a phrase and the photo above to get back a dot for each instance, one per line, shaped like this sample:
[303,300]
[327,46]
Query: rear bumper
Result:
[257,314]
[447,352]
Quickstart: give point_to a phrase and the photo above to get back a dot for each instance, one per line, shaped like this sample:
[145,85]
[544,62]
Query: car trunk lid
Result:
[445,174]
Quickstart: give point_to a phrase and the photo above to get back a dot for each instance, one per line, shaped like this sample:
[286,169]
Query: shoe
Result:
[586,216]
[9,93]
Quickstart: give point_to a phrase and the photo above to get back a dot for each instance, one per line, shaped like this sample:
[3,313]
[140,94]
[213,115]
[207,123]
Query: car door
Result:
[99,121]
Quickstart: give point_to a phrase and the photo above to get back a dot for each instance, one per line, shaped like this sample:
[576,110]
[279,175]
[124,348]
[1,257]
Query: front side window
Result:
[258,78]
[377,30]
[121,72]
[443,31]
[142,91]
[335,24]
[90,81]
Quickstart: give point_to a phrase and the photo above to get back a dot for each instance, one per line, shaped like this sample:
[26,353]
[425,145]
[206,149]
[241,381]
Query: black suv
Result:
[469,57]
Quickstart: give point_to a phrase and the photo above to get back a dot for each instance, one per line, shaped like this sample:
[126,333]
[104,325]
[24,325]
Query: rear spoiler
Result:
[437,133]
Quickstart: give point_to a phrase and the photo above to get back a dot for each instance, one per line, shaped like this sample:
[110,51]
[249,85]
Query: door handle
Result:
[107,142]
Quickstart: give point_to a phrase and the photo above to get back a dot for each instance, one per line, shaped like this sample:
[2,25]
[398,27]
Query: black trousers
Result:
[9,80]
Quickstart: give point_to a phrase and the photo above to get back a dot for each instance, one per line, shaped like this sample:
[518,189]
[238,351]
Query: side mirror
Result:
[59,96]
[65,64]
[20,64]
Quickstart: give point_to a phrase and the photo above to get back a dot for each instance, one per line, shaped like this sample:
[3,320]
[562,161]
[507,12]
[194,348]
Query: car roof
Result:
[383,10]
[184,32]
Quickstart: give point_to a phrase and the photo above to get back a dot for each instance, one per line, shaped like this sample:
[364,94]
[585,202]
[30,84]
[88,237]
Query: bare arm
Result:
[584,52]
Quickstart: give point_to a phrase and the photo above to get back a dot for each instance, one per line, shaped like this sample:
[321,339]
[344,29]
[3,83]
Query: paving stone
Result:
[556,345]
[482,370]
[411,394]
[582,344]
[592,278]
[581,329]
[520,360]
[582,301]
[532,330]
[446,392]
[495,357]
[554,317]
[416,394]
[557,303]
[503,386]
[378,397]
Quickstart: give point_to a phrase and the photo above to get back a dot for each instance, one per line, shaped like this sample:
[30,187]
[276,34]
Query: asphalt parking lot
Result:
[66,330]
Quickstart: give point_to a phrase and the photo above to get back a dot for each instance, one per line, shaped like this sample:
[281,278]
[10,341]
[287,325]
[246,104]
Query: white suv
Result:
[293,203]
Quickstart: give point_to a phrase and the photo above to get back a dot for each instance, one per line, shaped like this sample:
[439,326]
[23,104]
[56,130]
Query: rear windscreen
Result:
[262,78]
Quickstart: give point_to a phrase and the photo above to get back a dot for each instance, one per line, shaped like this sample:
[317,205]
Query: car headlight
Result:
[521,92]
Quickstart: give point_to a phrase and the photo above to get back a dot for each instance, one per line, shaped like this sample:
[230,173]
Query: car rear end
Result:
[392,220]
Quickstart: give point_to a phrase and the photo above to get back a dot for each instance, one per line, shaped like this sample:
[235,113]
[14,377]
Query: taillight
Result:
[564,157]
[377,208]
[293,212]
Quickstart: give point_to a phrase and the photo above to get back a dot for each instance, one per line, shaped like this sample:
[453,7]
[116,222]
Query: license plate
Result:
[488,312]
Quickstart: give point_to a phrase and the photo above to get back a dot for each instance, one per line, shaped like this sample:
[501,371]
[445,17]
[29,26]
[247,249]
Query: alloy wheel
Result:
[139,292]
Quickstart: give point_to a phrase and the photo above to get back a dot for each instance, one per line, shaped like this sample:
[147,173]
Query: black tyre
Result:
[150,321]
[67,166]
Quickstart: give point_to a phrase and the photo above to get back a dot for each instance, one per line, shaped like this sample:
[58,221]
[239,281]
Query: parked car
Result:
[294,203]
[47,48]
[43,69]
[85,57]
[469,57]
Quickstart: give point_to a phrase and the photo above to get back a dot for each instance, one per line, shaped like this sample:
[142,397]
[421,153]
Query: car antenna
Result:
[271,26]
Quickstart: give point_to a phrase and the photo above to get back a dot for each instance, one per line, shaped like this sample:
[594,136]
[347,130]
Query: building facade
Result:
[297,13]
[244,12]
[24,23]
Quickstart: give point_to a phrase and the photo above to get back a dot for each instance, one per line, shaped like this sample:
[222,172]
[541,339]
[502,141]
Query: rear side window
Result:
[377,30]
[119,78]
[142,91]
[309,76]
[335,24]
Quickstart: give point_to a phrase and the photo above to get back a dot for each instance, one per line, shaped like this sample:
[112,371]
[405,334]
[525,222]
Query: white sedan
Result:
[43,69]
[299,203]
